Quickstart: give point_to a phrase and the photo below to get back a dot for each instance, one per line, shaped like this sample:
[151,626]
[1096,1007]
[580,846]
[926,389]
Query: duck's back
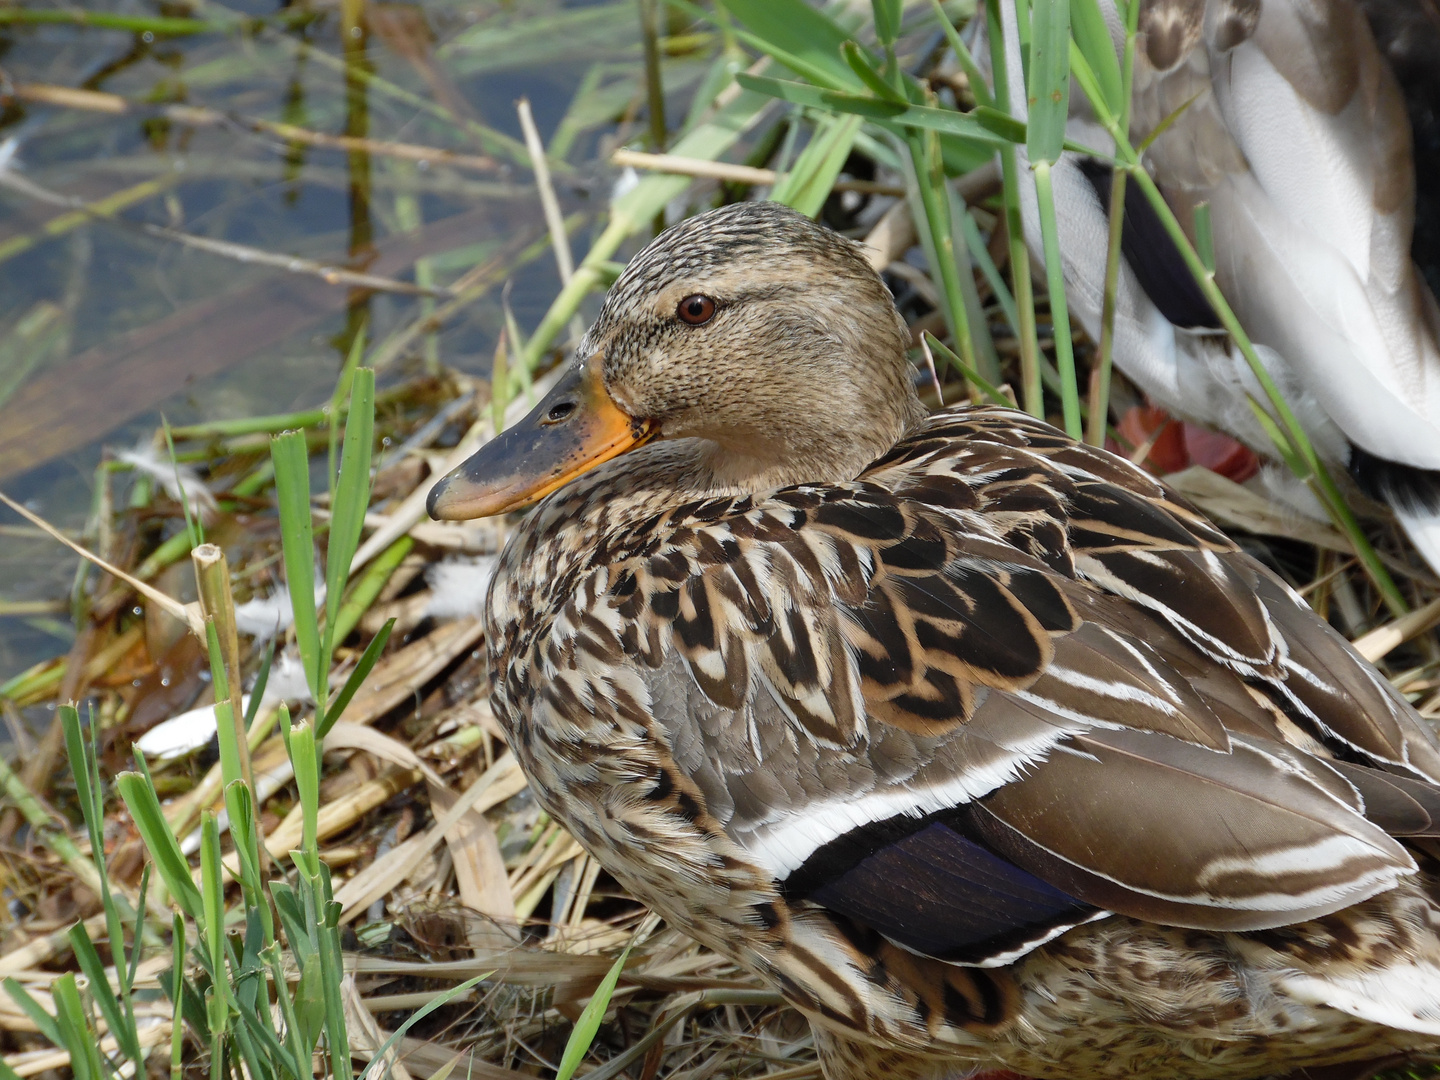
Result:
[1287,122]
[1300,142]
[1408,35]
[960,711]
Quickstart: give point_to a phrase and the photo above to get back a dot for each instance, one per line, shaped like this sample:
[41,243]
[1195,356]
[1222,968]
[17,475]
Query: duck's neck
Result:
[822,451]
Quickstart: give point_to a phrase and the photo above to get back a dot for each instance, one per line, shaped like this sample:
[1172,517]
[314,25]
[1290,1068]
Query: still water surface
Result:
[103,326]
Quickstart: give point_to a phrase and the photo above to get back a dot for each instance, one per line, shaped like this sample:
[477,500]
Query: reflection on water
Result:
[105,324]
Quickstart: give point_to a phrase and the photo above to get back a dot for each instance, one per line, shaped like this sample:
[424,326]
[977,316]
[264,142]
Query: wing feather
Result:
[1002,683]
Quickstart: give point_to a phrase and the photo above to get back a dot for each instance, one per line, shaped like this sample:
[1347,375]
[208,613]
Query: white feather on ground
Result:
[287,680]
[191,730]
[144,458]
[264,617]
[458,587]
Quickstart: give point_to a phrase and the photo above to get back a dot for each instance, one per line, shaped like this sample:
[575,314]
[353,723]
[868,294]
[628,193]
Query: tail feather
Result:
[1423,528]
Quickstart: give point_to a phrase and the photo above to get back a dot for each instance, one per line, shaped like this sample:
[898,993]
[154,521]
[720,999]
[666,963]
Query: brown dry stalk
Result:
[737,174]
[114,104]
[1383,639]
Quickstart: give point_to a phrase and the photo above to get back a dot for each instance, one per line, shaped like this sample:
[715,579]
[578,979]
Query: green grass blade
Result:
[1049,83]
[861,64]
[809,43]
[987,359]
[174,869]
[367,587]
[31,1008]
[116,908]
[137,949]
[253,1064]
[332,971]
[247,846]
[1092,38]
[1059,310]
[818,97]
[1099,403]
[191,1005]
[300,1050]
[887,19]
[135,24]
[298,932]
[226,737]
[352,491]
[585,1028]
[85,790]
[292,487]
[262,679]
[372,1071]
[962,53]
[521,378]
[100,989]
[177,996]
[1283,447]
[986,388]
[1031,391]
[357,676]
[975,243]
[1205,237]
[794,29]
[341,395]
[1089,85]
[929,198]
[75,1034]
[304,762]
[1100,376]
[803,61]
[212,884]
[193,528]
[277,1060]
[808,184]
[975,128]
[1165,125]
[500,381]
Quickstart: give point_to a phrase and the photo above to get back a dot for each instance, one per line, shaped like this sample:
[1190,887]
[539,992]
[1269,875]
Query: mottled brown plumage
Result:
[980,745]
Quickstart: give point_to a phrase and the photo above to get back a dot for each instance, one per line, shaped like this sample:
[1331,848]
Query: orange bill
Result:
[576,427]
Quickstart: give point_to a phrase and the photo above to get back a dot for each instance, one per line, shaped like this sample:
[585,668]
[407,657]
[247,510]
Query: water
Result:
[133,325]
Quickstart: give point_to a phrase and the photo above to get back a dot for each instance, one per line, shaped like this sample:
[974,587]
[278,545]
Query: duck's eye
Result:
[695,310]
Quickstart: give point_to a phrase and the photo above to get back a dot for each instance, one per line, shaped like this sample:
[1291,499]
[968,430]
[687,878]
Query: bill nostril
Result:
[560,411]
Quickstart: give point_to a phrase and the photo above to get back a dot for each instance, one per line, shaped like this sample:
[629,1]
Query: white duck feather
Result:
[1296,135]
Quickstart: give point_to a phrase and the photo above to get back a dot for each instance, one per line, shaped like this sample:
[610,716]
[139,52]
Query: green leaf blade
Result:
[808,184]
[585,1028]
[887,19]
[1092,37]
[102,992]
[1049,81]
[174,869]
[352,491]
[31,1008]
[792,28]
[291,457]
[362,669]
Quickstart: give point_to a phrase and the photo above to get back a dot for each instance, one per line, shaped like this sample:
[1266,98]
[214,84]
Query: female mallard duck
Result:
[1290,125]
[977,743]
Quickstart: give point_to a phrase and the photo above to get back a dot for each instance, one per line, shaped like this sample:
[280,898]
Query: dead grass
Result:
[444,864]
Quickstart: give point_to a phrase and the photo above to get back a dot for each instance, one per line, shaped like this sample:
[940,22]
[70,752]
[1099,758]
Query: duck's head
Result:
[762,336]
